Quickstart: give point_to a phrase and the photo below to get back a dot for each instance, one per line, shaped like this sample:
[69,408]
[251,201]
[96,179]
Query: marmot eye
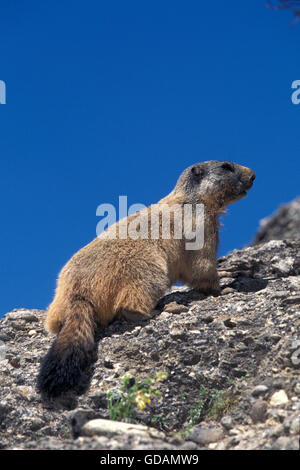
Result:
[228,167]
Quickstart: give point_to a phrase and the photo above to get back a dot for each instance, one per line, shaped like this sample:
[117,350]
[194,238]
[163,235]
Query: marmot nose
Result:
[250,180]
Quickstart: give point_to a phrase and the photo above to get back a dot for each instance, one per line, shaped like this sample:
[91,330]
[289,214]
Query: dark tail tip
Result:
[60,373]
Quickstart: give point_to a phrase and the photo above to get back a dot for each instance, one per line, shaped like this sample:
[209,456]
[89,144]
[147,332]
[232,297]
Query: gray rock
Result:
[174,307]
[286,443]
[295,358]
[295,426]
[284,224]
[227,290]
[205,435]
[227,422]
[259,390]
[297,388]
[258,411]
[22,314]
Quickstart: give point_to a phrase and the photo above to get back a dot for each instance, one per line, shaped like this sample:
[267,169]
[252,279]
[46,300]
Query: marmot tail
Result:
[71,352]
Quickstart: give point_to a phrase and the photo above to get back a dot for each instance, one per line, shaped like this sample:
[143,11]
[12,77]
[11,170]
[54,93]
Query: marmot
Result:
[125,277]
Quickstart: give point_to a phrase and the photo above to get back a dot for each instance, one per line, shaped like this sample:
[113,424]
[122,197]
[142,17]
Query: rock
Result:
[205,435]
[284,224]
[227,422]
[286,443]
[279,398]
[177,332]
[4,410]
[295,344]
[258,411]
[2,350]
[174,307]
[25,392]
[22,314]
[295,426]
[276,431]
[259,390]
[295,358]
[227,290]
[284,267]
[297,388]
[36,423]
[108,363]
[293,299]
[108,428]
[229,323]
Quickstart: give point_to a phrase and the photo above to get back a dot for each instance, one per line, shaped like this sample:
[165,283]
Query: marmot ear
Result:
[197,171]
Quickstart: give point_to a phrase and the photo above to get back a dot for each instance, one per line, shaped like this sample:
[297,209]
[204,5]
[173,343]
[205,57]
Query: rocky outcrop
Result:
[231,368]
[284,224]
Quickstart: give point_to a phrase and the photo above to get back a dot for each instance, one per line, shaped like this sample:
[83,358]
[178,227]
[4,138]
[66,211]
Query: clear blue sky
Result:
[113,98]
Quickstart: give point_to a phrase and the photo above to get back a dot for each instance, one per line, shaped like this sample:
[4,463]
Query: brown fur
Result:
[113,278]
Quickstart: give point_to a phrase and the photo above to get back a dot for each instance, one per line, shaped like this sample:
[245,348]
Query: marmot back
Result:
[115,277]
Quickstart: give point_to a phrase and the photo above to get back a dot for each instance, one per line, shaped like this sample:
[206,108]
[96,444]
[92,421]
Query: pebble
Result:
[297,388]
[205,435]
[227,290]
[295,344]
[284,266]
[36,423]
[229,323]
[176,332]
[108,363]
[295,427]
[284,443]
[295,357]
[2,350]
[227,422]
[293,299]
[258,411]
[276,431]
[259,390]
[174,307]
[279,398]
[26,392]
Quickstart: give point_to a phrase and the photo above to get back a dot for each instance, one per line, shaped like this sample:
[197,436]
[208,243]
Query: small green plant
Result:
[212,405]
[221,401]
[158,418]
[246,375]
[132,395]
[196,409]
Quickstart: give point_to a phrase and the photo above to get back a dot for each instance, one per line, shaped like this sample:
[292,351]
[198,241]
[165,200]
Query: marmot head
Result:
[216,183]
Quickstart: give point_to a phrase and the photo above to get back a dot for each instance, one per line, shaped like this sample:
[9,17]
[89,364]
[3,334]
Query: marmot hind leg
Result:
[136,304]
